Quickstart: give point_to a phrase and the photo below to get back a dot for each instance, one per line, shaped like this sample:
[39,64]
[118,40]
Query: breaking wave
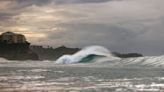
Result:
[99,54]
[149,61]
[88,54]
[94,55]
[3,60]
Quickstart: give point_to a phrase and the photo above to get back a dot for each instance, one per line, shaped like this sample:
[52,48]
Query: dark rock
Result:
[52,54]
[18,49]
[128,55]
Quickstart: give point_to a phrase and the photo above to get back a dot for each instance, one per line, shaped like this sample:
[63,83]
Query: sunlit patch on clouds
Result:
[40,14]
[30,35]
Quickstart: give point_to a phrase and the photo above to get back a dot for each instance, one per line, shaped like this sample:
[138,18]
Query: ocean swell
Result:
[99,54]
[88,54]
[95,56]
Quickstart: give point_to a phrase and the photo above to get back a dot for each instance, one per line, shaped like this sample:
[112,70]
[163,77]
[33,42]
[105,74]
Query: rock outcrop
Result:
[127,55]
[15,47]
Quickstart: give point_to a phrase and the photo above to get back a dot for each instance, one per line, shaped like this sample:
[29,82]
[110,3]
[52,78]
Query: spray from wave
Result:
[99,54]
[88,54]
[3,60]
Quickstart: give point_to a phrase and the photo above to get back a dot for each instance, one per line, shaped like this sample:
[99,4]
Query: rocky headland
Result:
[15,47]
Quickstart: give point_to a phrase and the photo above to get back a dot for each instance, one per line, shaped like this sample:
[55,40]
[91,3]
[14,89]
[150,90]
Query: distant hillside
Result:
[127,55]
[52,54]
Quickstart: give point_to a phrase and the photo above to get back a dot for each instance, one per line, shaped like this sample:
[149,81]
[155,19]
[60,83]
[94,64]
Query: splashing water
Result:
[99,54]
[88,54]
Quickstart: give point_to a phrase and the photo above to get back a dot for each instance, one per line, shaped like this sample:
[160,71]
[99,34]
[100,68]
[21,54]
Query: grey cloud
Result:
[126,26]
[100,34]
[33,2]
[21,4]
[115,37]
[4,16]
[79,1]
[25,3]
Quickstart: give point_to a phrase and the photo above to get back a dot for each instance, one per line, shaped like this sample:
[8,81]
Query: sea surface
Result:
[31,76]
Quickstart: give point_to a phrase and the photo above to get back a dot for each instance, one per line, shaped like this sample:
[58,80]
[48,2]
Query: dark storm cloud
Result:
[79,1]
[19,4]
[4,16]
[98,34]
[25,3]
[6,19]
[114,37]
[33,2]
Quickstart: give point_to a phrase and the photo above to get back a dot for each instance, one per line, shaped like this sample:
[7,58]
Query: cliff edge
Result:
[15,47]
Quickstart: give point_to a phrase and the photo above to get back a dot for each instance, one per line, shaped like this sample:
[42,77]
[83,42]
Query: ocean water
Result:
[93,69]
[39,76]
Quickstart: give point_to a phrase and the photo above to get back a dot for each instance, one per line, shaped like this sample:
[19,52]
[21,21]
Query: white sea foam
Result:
[92,52]
[155,61]
[104,55]
[3,60]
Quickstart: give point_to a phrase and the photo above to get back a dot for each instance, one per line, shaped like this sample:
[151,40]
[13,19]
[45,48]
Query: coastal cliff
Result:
[15,47]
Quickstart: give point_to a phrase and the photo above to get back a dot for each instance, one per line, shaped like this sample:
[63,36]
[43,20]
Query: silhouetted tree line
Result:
[128,55]
[50,53]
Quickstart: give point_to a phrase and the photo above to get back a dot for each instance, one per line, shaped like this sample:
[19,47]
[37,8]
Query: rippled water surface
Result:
[46,77]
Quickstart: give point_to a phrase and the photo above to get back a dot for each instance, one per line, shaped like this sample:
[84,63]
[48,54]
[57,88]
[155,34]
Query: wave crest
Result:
[88,54]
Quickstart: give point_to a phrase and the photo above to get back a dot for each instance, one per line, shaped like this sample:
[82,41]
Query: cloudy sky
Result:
[120,25]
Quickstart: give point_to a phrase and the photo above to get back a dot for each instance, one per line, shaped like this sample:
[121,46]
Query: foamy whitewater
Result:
[88,54]
[99,54]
